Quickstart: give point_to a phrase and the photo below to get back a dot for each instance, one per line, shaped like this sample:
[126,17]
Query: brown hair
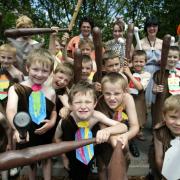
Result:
[24,22]
[172,103]
[8,48]
[114,77]
[65,68]
[109,54]
[139,53]
[87,41]
[41,56]
[120,23]
[83,87]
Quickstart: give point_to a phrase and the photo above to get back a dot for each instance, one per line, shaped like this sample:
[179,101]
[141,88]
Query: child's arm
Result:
[158,153]
[132,116]
[136,83]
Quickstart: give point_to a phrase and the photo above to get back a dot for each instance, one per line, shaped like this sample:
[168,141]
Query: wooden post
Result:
[77,65]
[97,39]
[129,40]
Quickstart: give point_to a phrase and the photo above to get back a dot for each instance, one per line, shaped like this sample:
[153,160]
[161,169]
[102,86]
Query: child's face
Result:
[117,32]
[86,49]
[38,74]
[112,65]
[138,63]
[86,70]
[173,58]
[6,59]
[113,94]
[172,119]
[83,105]
[60,80]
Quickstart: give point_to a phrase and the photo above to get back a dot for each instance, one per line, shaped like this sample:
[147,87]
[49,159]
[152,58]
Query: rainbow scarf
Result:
[85,153]
[4,84]
[37,104]
[119,115]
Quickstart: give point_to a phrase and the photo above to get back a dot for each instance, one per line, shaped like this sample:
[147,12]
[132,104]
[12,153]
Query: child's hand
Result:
[56,29]
[64,112]
[16,138]
[126,70]
[47,125]
[158,88]
[65,162]
[123,138]
[102,136]
[97,86]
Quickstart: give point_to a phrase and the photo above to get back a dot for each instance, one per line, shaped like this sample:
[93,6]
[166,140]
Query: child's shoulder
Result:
[15,72]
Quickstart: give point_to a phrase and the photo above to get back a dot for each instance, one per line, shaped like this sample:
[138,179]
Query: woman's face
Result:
[117,32]
[152,30]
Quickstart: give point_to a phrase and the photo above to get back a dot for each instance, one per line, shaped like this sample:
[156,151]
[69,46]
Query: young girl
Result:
[37,99]
[166,131]
[117,104]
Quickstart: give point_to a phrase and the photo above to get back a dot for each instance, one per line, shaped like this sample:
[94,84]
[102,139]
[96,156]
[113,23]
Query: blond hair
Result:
[8,48]
[172,103]
[40,56]
[87,41]
[114,77]
[82,87]
[24,22]
[109,54]
[65,68]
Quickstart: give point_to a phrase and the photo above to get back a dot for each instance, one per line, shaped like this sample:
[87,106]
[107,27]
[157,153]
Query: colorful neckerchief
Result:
[37,104]
[119,115]
[132,88]
[85,153]
[4,84]
[173,82]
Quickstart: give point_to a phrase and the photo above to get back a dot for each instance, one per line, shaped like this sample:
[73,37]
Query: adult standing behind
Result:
[152,45]
[86,25]
[24,44]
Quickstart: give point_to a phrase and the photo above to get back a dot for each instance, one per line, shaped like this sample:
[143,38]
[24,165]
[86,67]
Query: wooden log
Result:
[97,39]
[77,65]
[14,33]
[117,166]
[27,156]
[129,40]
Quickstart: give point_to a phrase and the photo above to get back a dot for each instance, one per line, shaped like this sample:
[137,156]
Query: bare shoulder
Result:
[16,72]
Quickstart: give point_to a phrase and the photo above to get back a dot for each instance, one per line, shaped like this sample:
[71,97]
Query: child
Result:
[170,83]
[8,76]
[86,46]
[87,68]
[117,104]
[82,100]
[139,80]
[167,130]
[34,97]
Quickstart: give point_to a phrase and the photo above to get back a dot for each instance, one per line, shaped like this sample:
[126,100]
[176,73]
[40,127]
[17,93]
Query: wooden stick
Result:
[77,65]
[77,8]
[164,55]
[117,166]
[14,33]
[97,39]
[27,156]
[129,40]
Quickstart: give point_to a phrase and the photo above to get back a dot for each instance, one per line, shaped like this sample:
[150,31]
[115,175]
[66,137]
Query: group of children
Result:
[111,110]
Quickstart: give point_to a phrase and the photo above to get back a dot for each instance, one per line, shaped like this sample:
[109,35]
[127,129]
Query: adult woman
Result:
[152,45]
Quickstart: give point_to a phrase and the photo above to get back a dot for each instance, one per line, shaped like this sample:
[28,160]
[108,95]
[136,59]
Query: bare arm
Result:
[158,153]
[132,116]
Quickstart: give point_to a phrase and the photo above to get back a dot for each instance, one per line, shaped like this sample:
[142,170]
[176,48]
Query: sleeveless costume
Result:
[78,170]
[23,93]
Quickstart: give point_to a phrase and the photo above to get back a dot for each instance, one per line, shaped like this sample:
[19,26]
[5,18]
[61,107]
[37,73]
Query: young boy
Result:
[37,99]
[166,131]
[139,80]
[117,104]
[8,76]
[86,46]
[82,100]
[171,84]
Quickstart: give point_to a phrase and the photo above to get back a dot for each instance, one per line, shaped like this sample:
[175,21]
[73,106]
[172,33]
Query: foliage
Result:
[47,13]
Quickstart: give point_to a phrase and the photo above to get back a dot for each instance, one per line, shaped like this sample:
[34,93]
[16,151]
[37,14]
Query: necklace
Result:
[152,45]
